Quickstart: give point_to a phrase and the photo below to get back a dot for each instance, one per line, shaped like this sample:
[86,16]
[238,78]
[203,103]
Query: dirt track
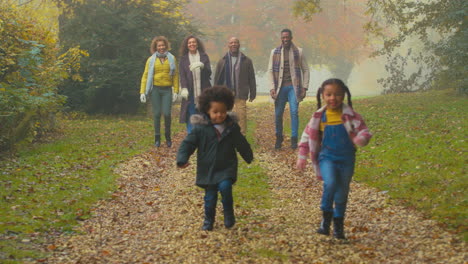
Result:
[156,216]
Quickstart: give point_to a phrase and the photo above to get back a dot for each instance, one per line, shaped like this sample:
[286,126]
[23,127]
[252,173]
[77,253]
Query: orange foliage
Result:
[336,32]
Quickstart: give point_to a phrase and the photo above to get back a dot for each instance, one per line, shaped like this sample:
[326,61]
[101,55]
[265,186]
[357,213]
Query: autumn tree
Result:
[336,28]
[117,34]
[31,68]
[333,38]
[440,26]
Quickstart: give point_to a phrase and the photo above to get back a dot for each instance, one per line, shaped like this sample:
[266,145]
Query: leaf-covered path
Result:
[156,216]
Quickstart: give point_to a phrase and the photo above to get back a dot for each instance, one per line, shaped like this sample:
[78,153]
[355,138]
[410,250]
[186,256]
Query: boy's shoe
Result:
[210,213]
[229,219]
[207,225]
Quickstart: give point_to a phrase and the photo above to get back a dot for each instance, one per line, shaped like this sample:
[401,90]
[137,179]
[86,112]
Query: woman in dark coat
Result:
[217,138]
[195,76]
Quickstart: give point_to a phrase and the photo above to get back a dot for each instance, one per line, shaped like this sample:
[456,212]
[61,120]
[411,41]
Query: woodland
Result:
[81,182]
[87,56]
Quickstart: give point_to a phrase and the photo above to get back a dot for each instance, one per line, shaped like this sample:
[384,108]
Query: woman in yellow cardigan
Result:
[162,86]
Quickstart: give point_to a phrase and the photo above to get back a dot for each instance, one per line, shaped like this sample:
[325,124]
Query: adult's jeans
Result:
[191,110]
[287,94]
[336,176]
[161,101]
[211,195]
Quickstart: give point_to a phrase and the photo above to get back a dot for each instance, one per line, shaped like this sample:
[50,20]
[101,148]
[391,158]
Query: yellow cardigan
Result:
[161,75]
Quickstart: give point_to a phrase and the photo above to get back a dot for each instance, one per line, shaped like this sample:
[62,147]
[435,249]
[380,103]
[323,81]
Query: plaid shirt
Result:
[311,140]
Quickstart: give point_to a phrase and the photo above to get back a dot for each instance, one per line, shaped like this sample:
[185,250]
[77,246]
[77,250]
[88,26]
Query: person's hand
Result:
[301,164]
[184,93]
[195,65]
[143,98]
[182,166]
[273,93]
[175,96]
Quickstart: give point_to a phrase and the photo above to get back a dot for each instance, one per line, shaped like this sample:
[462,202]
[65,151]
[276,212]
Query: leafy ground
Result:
[155,214]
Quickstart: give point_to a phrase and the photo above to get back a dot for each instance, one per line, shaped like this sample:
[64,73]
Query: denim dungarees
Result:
[336,163]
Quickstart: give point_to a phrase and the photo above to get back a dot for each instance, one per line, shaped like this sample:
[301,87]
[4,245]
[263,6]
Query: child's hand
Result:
[360,141]
[181,166]
[301,164]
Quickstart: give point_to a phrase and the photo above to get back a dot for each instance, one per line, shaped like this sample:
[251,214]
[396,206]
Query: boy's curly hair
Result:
[217,93]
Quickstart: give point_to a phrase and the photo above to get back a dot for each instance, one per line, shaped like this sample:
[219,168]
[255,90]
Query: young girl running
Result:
[217,137]
[331,137]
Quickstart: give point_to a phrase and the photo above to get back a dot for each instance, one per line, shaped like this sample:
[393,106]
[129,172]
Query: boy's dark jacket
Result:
[216,157]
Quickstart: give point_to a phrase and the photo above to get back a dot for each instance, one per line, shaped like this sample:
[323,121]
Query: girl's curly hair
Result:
[217,93]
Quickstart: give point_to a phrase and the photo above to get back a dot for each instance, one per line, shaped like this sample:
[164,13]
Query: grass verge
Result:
[252,189]
[49,187]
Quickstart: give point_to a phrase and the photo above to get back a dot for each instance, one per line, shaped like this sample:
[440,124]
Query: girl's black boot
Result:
[338,228]
[324,228]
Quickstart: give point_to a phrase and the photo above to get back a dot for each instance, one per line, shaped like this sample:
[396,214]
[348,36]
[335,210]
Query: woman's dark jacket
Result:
[216,156]
[186,80]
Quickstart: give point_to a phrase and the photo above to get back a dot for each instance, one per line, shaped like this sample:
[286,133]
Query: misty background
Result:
[334,41]
[66,56]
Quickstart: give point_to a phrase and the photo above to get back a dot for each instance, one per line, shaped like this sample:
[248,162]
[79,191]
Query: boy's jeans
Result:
[287,94]
[336,179]
[211,195]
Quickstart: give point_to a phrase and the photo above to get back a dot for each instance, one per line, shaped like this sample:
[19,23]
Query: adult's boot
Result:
[324,228]
[157,140]
[168,140]
[338,228]
[210,213]
[279,141]
[294,142]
